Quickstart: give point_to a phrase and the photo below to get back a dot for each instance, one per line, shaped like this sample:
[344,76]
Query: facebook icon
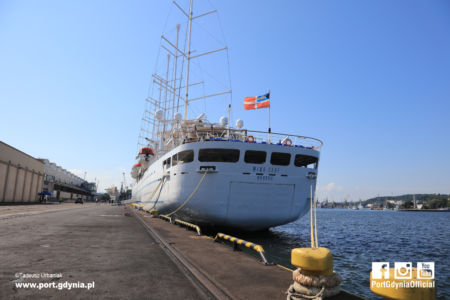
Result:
[380,270]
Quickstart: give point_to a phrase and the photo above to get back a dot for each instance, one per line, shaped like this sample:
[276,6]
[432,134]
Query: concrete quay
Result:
[127,254]
[17,211]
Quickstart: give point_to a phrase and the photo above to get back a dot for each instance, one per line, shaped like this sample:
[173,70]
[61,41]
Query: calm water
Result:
[356,238]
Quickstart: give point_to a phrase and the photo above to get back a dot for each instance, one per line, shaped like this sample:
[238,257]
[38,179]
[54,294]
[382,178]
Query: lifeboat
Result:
[144,156]
[135,170]
[147,151]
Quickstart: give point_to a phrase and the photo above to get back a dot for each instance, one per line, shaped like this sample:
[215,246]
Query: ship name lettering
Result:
[259,169]
[264,178]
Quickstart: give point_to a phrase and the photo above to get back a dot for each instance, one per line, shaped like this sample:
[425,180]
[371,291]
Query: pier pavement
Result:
[100,244]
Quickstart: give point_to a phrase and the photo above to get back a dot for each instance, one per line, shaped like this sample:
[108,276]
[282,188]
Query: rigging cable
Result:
[228,61]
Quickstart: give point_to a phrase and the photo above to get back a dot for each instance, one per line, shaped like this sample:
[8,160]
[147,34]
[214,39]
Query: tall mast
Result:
[175,63]
[166,100]
[188,58]
[167,91]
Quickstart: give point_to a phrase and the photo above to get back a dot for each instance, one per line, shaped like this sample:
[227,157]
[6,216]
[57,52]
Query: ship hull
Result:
[238,195]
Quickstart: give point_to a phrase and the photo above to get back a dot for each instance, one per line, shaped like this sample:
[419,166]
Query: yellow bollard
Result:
[315,261]
[314,277]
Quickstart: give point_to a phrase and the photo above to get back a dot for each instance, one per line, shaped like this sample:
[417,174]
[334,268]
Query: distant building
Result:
[112,191]
[64,185]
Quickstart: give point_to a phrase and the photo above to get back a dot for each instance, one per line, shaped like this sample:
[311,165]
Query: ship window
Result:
[185,156]
[280,159]
[174,160]
[166,163]
[218,155]
[305,161]
[255,157]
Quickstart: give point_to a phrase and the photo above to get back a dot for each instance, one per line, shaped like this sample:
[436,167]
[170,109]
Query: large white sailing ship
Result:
[213,173]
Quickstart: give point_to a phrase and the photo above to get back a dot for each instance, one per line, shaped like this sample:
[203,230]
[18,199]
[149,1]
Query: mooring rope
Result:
[190,196]
[293,295]
[311,216]
[162,184]
[313,219]
[314,287]
[156,189]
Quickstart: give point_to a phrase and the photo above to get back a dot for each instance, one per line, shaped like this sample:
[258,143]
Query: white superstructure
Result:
[212,173]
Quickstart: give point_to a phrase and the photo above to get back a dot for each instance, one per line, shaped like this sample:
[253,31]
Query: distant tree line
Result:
[429,201]
[125,195]
[105,197]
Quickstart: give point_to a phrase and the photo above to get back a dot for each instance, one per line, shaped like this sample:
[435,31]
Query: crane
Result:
[124,181]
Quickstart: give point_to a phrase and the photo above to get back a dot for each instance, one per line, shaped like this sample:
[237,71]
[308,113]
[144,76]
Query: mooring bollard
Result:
[314,277]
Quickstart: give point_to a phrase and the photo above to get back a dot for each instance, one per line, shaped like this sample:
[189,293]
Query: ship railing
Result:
[282,139]
[192,134]
[253,136]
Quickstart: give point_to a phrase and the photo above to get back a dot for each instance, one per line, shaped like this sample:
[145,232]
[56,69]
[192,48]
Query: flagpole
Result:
[269,118]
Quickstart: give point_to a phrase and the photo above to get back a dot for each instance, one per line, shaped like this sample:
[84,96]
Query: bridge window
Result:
[255,157]
[218,155]
[166,163]
[183,157]
[306,161]
[280,158]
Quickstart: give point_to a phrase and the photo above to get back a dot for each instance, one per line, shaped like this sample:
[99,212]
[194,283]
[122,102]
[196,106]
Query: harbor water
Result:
[359,237]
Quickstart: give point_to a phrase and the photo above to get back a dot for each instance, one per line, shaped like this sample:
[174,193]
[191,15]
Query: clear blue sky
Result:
[369,78]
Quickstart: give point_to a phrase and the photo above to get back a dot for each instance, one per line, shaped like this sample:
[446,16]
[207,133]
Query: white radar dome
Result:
[159,114]
[178,116]
[223,121]
[239,123]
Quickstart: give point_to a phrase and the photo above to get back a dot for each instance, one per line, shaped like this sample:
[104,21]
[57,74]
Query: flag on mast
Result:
[257,102]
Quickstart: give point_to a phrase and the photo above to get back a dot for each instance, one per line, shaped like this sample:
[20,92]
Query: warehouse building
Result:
[21,176]
[25,179]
